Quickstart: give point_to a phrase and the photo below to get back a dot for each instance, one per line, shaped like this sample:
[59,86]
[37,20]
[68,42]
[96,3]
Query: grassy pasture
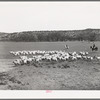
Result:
[76,75]
[5,47]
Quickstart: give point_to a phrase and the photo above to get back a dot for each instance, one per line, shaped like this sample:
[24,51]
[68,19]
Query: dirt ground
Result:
[67,75]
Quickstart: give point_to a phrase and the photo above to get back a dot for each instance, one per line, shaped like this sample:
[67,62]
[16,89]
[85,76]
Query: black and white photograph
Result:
[50,46]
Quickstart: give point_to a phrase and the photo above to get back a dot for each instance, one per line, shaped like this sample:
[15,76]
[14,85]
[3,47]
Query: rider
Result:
[66,46]
[94,46]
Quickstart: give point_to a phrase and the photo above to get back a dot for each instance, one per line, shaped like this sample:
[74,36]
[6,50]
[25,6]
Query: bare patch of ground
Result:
[67,75]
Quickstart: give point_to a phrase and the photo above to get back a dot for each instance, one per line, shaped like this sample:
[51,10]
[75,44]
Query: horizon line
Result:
[50,30]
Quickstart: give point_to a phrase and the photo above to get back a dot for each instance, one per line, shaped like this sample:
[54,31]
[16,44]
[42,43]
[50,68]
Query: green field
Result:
[5,47]
[78,75]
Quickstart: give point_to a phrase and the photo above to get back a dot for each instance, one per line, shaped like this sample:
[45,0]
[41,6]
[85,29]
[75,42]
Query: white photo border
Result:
[54,94]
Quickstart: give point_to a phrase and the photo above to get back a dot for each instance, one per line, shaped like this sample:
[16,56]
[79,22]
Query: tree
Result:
[92,36]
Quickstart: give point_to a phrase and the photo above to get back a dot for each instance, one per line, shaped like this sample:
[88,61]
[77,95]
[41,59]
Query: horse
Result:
[94,48]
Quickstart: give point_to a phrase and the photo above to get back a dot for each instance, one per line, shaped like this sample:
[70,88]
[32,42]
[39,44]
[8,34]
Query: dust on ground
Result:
[66,75]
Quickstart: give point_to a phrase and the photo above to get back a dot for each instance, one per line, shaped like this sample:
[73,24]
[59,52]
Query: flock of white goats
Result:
[38,55]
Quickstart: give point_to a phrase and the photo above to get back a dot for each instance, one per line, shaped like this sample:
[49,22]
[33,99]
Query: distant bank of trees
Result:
[29,36]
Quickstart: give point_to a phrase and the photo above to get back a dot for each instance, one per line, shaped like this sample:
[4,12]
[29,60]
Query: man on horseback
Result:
[94,47]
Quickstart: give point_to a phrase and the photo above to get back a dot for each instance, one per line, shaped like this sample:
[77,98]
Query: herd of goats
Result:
[37,56]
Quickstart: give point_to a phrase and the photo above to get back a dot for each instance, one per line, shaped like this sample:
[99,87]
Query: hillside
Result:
[87,34]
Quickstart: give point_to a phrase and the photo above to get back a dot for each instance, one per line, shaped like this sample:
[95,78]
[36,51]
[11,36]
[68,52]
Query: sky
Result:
[36,16]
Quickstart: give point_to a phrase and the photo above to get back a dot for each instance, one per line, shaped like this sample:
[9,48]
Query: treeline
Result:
[29,36]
